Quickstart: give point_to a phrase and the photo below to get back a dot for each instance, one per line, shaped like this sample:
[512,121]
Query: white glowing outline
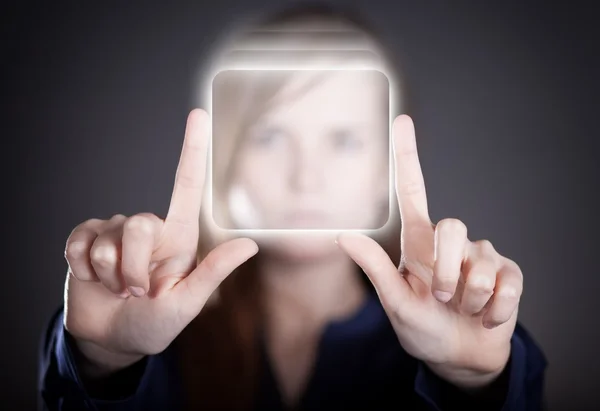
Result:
[206,101]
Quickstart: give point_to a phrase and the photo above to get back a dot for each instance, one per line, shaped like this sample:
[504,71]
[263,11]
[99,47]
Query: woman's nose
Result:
[306,169]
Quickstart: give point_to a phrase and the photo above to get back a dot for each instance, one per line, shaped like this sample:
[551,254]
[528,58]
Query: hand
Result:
[453,303]
[134,283]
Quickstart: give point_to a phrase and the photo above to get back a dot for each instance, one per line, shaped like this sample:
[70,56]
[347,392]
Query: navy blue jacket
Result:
[360,365]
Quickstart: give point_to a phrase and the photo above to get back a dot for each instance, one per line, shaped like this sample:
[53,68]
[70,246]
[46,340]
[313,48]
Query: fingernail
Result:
[442,296]
[137,291]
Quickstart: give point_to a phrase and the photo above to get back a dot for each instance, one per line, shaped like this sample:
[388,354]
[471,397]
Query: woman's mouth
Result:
[306,219]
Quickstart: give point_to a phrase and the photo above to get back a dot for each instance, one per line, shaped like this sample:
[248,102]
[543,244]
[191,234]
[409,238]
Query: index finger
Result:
[410,185]
[186,199]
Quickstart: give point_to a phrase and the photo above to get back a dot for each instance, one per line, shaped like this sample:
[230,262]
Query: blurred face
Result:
[318,159]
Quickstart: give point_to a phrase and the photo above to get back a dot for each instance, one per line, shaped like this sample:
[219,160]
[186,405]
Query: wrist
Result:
[473,376]
[96,362]
[467,380]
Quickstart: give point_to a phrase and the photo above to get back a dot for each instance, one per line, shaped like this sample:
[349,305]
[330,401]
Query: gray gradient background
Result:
[504,101]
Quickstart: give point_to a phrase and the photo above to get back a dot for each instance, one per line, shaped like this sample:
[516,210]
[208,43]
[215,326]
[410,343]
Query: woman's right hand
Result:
[134,282]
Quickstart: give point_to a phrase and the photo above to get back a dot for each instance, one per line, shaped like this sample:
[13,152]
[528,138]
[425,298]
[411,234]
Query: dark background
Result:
[505,102]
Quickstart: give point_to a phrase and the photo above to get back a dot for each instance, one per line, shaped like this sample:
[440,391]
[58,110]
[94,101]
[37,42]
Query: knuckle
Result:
[104,255]
[75,250]
[509,293]
[149,216]
[480,284]
[514,268]
[88,226]
[481,289]
[90,223]
[139,223]
[486,246]
[483,265]
[453,225]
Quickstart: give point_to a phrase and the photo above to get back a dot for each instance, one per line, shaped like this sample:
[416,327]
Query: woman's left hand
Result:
[452,302]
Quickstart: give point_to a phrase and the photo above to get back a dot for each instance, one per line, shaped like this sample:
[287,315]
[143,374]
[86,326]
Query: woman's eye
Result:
[346,140]
[267,137]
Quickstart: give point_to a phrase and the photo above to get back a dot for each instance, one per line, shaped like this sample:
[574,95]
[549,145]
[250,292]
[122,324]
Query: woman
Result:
[170,314]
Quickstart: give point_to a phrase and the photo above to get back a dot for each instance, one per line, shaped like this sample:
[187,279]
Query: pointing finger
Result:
[410,185]
[182,218]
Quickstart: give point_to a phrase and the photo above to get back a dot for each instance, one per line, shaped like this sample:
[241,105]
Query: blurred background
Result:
[504,97]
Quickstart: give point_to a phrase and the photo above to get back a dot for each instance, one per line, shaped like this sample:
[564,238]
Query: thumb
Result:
[192,292]
[393,290]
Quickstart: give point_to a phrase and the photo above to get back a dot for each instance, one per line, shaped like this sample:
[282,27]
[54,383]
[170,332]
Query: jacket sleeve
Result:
[146,385]
[520,387]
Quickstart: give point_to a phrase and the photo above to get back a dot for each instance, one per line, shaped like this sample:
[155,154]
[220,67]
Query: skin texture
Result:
[452,302]
[133,282]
